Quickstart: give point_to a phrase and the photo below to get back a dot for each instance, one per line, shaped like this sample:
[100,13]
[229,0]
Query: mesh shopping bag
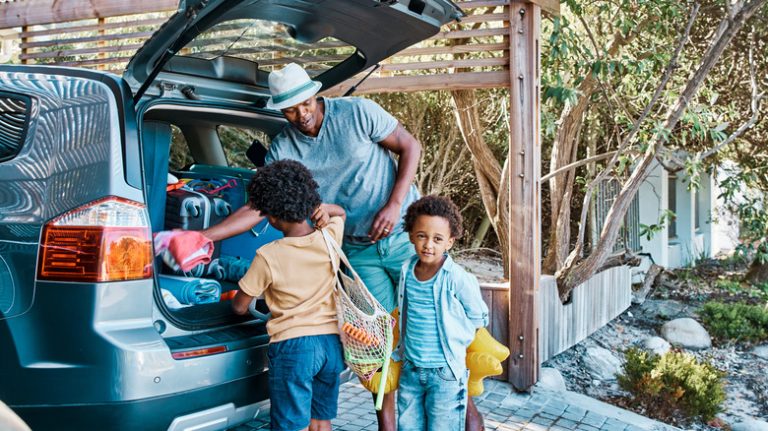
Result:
[364,324]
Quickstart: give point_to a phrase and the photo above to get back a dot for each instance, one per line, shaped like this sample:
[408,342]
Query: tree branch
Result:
[754,106]
[576,273]
[578,164]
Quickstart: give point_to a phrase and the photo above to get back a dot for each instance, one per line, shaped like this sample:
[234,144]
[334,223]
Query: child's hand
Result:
[320,217]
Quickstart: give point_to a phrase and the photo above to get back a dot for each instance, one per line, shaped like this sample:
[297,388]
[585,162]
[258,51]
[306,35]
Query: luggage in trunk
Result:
[232,185]
[194,210]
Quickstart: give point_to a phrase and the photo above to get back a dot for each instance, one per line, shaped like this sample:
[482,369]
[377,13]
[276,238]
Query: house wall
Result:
[690,243]
[653,202]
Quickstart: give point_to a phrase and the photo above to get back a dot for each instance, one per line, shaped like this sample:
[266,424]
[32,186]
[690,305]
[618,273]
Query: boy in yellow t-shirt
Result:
[296,277]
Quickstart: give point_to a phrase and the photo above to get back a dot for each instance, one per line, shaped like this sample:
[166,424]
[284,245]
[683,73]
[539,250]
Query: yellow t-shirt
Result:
[296,277]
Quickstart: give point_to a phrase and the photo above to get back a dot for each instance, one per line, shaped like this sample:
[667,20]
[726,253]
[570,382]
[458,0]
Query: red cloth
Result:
[190,248]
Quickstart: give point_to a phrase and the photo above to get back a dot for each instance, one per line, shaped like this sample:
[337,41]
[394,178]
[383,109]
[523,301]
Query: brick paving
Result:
[503,410]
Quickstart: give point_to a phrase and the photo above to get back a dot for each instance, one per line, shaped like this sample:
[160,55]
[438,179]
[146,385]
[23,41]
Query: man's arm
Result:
[238,222]
[408,150]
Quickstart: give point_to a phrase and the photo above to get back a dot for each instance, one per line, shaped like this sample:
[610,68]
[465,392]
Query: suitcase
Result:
[193,210]
[232,185]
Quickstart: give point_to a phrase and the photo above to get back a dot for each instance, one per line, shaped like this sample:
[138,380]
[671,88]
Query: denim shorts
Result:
[379,265]
[304,380]
[431,399]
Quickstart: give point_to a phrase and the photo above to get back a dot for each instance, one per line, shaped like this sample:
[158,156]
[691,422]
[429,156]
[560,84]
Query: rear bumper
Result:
[148,414]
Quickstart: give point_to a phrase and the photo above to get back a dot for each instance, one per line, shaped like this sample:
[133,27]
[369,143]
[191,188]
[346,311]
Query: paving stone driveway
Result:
[503,409]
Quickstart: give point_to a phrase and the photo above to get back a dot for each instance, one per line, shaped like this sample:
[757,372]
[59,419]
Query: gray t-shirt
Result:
[352,169]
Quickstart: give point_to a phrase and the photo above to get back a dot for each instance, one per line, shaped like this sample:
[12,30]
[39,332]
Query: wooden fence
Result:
[593,304]
[473,53]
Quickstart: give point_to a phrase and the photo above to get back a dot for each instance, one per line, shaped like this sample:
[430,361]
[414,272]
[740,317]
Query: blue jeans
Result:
[304,380]
[379,265]
[431,399]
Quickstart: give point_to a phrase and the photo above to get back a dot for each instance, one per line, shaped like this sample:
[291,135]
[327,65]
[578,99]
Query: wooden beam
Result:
[99,39]
[460,81]
[524,160]
[69,52]
[34,12]
[550,7]
[84,28]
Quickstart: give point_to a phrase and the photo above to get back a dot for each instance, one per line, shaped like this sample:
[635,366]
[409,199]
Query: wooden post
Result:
[24,49]
[101,43]
[524,198]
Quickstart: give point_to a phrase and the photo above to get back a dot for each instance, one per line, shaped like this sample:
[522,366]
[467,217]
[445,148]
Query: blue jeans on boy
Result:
[431,399]
[379,265]
[304,380]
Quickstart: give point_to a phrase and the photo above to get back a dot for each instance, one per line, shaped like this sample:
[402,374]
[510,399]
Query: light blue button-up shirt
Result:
[460,311]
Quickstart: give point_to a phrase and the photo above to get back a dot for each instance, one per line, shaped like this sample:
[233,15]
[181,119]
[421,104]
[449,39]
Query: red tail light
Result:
[199,352]
[105,240]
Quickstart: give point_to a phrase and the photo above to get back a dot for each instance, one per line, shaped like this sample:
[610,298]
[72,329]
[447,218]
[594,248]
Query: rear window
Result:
[269,44]
[237,143]
[14,121]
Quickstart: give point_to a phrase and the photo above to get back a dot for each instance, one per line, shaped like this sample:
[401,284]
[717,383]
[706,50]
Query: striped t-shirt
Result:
[422,341]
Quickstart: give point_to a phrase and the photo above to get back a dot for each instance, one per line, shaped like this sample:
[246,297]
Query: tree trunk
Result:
[494,191]
[758,273]
[564,152]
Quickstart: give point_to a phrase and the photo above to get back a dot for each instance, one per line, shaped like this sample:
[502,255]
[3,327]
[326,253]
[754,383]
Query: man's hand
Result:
[320,217]
[384,222]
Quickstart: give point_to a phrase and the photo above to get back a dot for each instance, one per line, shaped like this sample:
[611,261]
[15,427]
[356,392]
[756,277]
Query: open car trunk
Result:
[194,196]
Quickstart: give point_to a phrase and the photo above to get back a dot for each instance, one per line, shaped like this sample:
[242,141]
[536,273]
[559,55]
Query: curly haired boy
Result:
[441,308]
[295,276]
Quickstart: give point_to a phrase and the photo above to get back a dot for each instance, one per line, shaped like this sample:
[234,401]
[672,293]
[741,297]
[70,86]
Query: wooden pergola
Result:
[496,45]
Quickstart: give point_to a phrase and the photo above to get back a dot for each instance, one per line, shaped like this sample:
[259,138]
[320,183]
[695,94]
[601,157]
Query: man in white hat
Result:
[348,144]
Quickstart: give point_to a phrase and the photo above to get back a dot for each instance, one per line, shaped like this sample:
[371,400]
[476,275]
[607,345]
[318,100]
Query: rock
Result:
[750,425]
[551,379]
[601,363]
[761,351]
[687,333]
[656,345]
[664,308]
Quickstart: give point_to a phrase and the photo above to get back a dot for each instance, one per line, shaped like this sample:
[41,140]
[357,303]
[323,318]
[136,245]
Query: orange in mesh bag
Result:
[365,326]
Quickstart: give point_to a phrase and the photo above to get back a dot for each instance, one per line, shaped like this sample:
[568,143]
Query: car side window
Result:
[237,140]
[14,122]
[179,157]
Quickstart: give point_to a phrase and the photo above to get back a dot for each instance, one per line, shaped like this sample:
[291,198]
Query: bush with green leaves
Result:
[673,385]
[735,321]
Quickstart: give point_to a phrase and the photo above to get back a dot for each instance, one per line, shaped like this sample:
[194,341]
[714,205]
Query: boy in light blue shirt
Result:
[441,308]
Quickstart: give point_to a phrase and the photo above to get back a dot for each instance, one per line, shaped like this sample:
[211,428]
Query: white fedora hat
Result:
[290,86]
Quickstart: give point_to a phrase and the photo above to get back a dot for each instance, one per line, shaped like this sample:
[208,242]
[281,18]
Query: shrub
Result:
[730,286]
[736,321]
[674,384]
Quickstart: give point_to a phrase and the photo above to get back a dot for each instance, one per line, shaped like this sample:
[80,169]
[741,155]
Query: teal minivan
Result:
[87,341]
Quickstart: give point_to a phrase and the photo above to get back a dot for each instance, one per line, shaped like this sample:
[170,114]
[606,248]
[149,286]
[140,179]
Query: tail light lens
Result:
[105,240]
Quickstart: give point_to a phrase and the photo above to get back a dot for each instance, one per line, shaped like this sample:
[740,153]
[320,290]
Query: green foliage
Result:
[742,195]
[673,384]
[735,322]
[730,286]
[648,231]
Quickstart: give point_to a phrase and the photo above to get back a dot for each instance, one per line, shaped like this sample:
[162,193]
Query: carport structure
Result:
[496,45]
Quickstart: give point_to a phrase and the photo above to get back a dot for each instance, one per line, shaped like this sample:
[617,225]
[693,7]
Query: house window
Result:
[672,206]
[696,211]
